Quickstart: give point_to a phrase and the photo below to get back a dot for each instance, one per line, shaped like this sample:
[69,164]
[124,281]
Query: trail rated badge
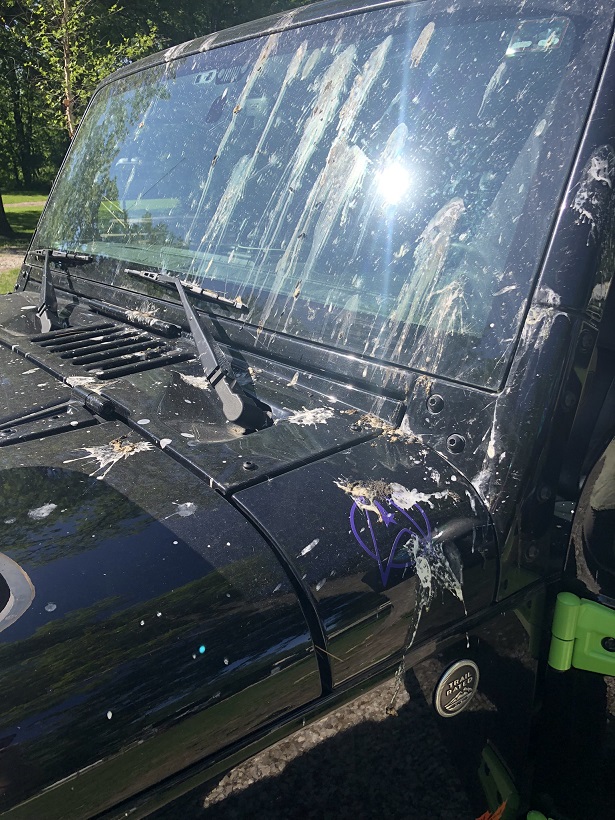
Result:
[456,688]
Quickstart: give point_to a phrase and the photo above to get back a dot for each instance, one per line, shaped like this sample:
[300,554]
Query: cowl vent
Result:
[109,351]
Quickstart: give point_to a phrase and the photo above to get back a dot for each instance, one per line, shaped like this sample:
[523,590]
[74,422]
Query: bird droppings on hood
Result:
[365,493]
[164,442]
[90,383]
[50,607]
[143,317]
[196,381]
[305,417]
[32,370]
[320,584]
[595,189]
[108,455]
[368,494]
[374,423]
[42,512]
[183,510]
[309,547]
[407,540]
[143,421]
[294,380]
[547,296]
[109,715]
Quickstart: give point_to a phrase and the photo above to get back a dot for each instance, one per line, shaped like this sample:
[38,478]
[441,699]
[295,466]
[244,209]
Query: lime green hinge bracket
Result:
[582,635]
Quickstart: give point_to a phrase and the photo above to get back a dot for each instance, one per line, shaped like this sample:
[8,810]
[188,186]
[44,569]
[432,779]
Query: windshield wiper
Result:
[195,290]
[57,255]
[47,309]
[238,408]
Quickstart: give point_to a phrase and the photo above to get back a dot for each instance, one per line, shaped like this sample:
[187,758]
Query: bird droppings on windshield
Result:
[424,298]
[492,86]
[107,455]
[420,47]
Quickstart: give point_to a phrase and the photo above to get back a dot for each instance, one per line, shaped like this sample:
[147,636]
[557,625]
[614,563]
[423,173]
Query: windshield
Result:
[382,183]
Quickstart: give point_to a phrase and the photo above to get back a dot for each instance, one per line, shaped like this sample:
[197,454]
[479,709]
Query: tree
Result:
[5,227]
[76,45]
[30,142]
[54,53]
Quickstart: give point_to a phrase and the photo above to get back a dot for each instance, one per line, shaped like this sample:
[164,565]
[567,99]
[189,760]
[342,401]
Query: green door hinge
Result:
[582,635]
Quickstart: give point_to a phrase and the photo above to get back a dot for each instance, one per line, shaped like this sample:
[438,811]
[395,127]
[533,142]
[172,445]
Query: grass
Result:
[7,280]
[23,218]
[23,196]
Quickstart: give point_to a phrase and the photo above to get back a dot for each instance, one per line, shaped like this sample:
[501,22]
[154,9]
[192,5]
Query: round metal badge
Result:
[456,688]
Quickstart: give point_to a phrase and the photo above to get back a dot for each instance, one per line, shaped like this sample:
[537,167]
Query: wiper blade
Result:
[59,256]
[195,290]
[238,408]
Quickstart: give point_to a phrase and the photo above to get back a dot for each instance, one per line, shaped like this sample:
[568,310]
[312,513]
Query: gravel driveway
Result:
[10,258]
[357,763]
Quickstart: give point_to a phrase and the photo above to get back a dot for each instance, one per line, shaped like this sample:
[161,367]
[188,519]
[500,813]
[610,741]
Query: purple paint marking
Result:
[386,565]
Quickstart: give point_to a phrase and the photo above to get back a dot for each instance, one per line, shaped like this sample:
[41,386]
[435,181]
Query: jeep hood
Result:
[176,564]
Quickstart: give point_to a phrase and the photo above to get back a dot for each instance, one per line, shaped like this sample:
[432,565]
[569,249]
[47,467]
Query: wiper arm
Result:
[195,290]
[47,309]
[238,408]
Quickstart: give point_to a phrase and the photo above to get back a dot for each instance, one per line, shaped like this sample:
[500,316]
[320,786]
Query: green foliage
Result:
[75,48]
[54,53]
